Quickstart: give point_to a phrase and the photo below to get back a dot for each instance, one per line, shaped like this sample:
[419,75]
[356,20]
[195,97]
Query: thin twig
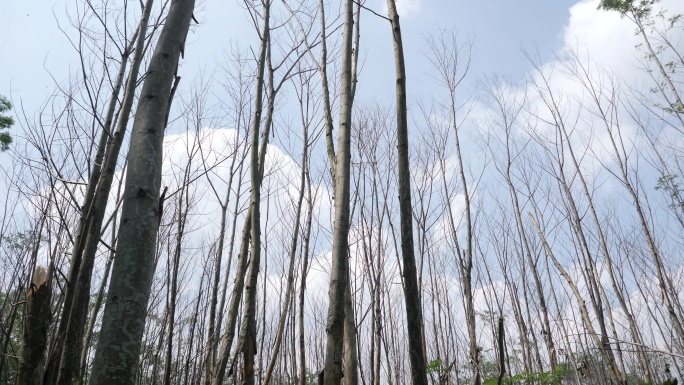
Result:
[371,11]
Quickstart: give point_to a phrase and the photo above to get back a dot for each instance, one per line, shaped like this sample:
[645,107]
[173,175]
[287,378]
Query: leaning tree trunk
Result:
[414,313]
[69,368]
[123,323]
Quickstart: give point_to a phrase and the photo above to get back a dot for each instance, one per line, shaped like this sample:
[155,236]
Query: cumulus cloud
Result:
[607,38]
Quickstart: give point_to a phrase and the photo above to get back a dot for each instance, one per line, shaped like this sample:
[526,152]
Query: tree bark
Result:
[123,323]
[333,371]
[36,325]
[414,313]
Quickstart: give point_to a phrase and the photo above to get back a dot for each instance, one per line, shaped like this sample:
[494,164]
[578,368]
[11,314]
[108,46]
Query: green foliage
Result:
[638,8]
[554,377]
[434,366]
[670,185]
[5,123]
[19,243]
[10,315]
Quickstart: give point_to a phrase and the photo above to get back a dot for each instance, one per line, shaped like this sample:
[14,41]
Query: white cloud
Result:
[405,8]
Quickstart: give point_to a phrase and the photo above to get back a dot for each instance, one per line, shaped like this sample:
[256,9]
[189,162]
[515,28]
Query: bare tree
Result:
[414,312]
[123,322]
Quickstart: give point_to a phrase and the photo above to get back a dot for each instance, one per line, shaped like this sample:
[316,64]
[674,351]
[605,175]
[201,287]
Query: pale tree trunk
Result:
[575,222]
[447,60]
[351,357]
[595,337]
[123,323]
[233,307]
[87,338]
[333,370]
[414,313]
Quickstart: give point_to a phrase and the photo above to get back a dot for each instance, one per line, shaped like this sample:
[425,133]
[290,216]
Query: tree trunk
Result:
[333,371]
[36,325]
[123,323]
[414,313]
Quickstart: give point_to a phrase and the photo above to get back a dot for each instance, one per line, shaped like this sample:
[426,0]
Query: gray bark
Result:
[332,372]
[302,289]
[414,313]
[117,355]
[247,341]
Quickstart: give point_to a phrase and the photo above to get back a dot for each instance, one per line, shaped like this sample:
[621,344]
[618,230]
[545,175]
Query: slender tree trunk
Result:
[215,326]
[333,370]
[182,208]
[501,347]
[290,274]
[69,370]
[351,358]
[596,337]
[248,341]
[414,313]
[97,306]
[123,323]
[302,289]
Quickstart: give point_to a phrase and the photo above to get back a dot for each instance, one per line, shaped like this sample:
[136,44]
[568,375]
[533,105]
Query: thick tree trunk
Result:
[123,322]
[414,313]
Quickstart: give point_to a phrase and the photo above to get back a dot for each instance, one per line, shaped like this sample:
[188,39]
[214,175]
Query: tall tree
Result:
[339,276]
[123,322]
[414,312]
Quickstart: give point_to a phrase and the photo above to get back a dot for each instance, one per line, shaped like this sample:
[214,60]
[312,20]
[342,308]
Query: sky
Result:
[36,51]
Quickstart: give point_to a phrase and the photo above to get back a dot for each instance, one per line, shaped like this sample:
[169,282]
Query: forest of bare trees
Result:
[264,224]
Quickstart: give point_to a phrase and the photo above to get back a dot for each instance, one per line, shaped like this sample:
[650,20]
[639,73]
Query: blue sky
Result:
[499,28]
